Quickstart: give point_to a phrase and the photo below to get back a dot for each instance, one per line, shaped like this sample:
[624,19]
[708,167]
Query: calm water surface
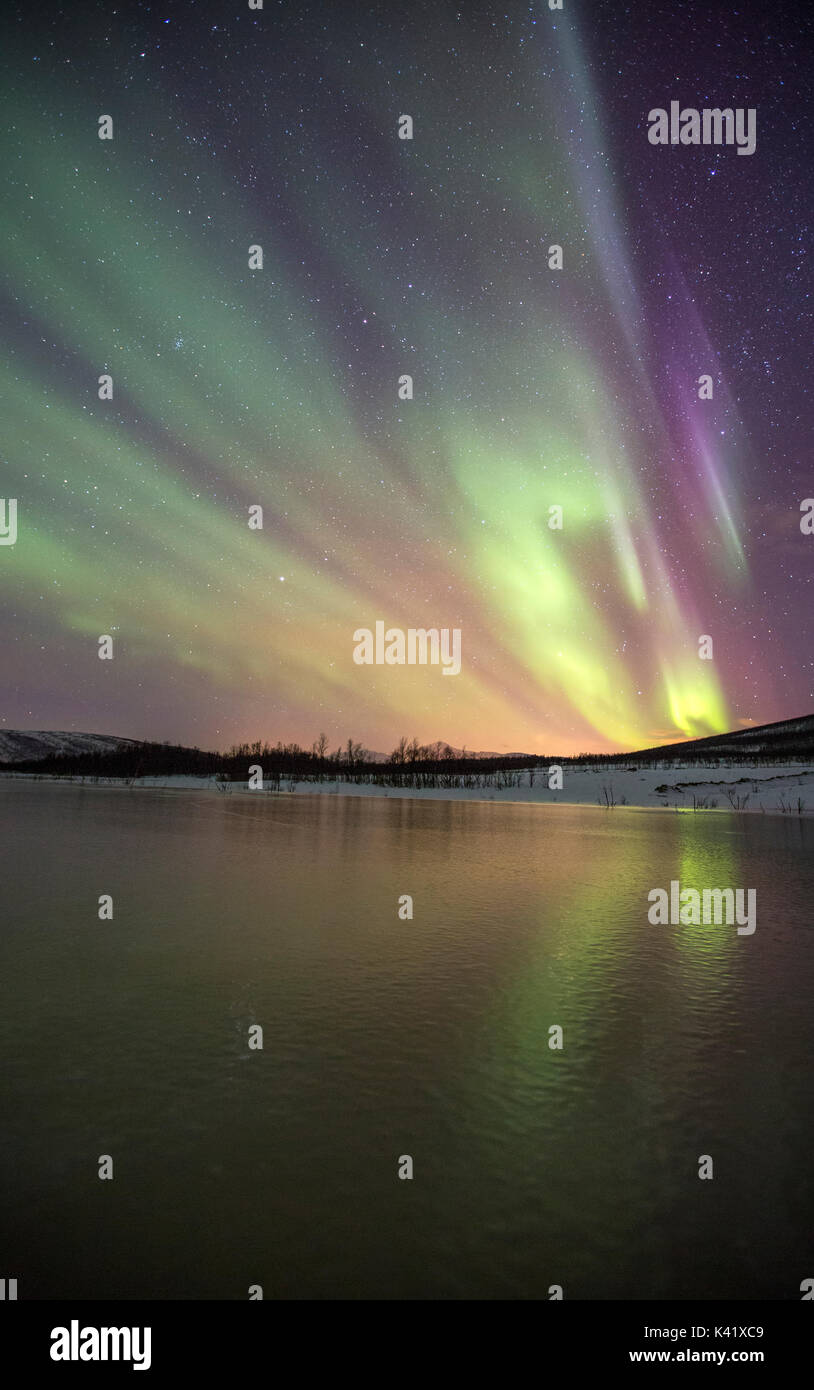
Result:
[385,1037]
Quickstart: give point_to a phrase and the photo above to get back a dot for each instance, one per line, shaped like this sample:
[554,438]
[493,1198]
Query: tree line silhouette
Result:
[411,764]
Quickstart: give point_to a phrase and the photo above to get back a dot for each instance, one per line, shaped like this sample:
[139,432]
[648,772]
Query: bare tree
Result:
[399,754]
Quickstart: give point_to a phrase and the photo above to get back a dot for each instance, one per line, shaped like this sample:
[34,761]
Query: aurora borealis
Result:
[278,387]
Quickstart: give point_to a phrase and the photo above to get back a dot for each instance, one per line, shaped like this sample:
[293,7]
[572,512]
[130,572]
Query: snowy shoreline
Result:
[783,789]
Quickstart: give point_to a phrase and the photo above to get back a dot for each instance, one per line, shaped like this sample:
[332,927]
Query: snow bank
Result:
[770,790]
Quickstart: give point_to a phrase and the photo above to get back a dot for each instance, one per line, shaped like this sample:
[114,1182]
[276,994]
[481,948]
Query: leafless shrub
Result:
[738,803]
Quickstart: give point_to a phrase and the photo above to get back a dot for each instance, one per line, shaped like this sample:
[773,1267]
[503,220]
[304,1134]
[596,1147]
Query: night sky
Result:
[533,387]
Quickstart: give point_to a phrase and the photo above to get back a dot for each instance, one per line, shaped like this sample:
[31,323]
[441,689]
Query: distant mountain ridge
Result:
[792,738]
[28,745]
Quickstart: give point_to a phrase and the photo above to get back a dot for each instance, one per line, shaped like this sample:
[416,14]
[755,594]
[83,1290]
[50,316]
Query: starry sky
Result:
[278,387]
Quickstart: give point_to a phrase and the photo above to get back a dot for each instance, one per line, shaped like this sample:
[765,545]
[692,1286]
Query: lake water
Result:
[384,1038]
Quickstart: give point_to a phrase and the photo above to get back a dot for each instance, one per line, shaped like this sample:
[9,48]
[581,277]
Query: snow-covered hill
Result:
[18,745]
